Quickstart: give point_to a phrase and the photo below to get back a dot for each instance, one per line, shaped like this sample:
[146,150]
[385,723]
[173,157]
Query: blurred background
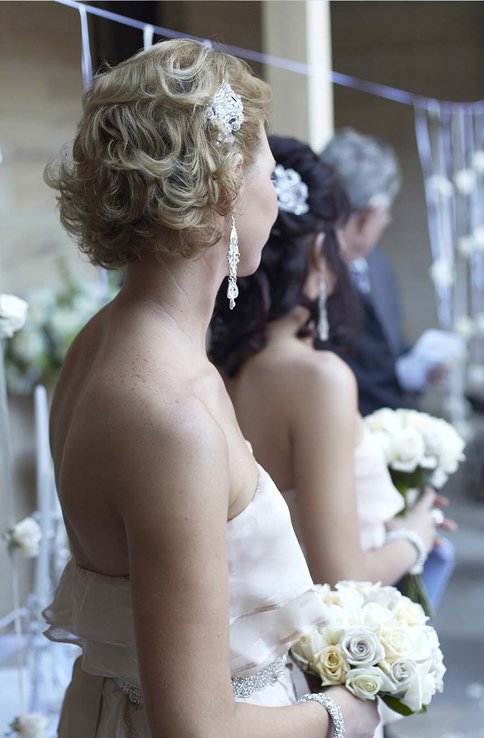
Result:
[433,49]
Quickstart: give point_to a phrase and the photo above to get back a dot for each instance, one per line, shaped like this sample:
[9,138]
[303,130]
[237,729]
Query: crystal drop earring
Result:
[233,259]
[323,324]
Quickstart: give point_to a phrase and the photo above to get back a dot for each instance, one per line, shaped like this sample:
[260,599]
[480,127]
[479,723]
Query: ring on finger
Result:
[437,516]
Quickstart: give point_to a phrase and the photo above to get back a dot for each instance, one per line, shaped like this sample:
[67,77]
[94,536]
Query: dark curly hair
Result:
[276,288]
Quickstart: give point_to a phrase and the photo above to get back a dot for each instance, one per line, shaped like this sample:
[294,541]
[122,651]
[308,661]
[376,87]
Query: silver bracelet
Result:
[417,543]
[334,712]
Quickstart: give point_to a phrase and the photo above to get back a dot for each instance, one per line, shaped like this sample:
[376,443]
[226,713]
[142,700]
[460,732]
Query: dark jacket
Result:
[381,341]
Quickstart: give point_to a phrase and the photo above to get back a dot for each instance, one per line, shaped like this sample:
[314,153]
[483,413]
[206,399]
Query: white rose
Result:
[33,725]
[450,446]
[385,420]
[387,597]
[464,326]
[387,444]
[331,665]
[348,596]
[439,478]
[397,642]
[29,345]
[344,607]
[308,646]
[361,647]
[410,613]
[322,589]
[410,448]
[366,681]
[401,673]
[374,616]
[478,160]
[13,313]
[466,245]
[421,688]
[465,181]
[442,273]
[438,669]
[440,184]
[26,537]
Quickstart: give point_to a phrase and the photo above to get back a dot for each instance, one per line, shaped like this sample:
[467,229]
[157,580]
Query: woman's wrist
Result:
[417,542]
[337,726]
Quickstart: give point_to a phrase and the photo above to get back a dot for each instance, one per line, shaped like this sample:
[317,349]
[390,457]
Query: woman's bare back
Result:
[124,369]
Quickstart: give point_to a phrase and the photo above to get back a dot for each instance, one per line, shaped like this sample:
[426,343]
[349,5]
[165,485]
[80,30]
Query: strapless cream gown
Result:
[272,603]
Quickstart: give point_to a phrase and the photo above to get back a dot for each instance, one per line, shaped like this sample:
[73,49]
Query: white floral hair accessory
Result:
[226,109]
[292,192]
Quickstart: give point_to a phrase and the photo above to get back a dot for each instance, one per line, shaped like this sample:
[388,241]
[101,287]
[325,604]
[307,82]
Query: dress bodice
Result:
[377,499]
[272,601]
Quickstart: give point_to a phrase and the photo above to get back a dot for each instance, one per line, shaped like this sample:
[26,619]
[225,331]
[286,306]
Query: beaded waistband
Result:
[243,687]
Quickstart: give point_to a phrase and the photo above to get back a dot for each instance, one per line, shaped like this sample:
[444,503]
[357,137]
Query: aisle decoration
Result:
[419,450]
[377,644]
[13,313]
[55,318]
[33,725]
[25,537]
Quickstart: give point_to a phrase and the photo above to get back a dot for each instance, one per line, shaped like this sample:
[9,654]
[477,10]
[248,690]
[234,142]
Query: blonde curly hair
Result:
[148,173]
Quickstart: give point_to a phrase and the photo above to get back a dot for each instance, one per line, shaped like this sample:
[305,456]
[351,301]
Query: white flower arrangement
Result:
[13,313]
[465,181]
[419,449]
[417,444]
[377,643]
[442,273]
[54,319]
[32,725]
[25,537]
[478,161]
[440,185]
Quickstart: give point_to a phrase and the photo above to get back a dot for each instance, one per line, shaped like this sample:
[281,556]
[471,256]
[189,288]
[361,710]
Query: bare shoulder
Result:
[162,438]
[323,371]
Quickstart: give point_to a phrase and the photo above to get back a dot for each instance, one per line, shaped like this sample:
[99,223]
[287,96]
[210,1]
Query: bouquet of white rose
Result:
[376,643]
[419,449]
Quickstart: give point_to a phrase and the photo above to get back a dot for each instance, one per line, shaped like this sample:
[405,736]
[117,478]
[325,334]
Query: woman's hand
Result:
[360,717]
[421,519]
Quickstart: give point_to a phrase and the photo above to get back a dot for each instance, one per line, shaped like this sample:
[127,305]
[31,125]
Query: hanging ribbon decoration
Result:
[442,128]
[86,62]
[11,518]
[148,32]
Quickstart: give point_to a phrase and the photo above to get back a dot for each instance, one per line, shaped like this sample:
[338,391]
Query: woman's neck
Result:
[287,328]
[181,291]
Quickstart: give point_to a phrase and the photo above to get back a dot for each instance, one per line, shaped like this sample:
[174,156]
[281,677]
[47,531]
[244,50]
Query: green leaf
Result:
[397,706]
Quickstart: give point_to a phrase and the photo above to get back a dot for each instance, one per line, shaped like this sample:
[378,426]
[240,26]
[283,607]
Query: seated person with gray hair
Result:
[389,372]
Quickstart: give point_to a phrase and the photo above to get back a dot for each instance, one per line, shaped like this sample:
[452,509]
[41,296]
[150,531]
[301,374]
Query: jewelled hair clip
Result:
[292,192]
[226,108]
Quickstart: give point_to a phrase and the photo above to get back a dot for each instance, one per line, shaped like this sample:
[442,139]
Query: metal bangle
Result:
[334,712]
[416,541]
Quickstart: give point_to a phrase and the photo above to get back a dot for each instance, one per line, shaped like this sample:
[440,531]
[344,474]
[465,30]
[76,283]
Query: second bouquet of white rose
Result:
[377,643]
[419,450]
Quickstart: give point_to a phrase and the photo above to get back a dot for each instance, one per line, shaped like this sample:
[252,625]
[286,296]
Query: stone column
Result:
[300,31]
